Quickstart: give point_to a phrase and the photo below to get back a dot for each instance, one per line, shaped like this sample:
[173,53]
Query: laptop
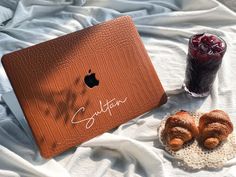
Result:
[80,85]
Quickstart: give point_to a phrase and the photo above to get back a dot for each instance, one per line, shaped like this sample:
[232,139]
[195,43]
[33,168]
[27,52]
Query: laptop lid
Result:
[80,85]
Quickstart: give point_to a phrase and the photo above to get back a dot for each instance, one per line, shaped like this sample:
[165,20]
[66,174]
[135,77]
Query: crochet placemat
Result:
[194,156]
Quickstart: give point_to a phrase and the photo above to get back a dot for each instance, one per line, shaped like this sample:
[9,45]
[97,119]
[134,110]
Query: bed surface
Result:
[133,148]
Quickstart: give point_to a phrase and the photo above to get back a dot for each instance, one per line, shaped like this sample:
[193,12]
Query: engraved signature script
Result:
[107,107]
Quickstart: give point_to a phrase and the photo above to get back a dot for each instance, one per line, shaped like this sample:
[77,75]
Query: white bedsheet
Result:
[132,149]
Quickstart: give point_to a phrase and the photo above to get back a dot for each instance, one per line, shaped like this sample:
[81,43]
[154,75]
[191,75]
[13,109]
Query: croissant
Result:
[179,128]
[214,127]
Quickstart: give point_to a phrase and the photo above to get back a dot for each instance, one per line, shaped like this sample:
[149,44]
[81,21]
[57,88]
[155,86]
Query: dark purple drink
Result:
[204,58]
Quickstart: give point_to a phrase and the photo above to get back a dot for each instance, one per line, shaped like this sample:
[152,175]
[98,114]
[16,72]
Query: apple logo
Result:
[90,80]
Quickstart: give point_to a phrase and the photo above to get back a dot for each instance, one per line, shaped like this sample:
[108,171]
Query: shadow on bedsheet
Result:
[179,101]
[117,161]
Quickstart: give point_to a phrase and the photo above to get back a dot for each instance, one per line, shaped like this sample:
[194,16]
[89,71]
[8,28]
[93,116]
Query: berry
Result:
[205,46]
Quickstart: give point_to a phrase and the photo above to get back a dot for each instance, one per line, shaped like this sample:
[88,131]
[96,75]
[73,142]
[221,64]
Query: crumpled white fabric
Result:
[133,148]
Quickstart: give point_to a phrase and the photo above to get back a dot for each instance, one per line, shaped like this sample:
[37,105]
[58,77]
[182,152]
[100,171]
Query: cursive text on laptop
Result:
[107,107]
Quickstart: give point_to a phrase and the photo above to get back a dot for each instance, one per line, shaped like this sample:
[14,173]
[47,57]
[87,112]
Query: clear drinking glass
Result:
[205,54]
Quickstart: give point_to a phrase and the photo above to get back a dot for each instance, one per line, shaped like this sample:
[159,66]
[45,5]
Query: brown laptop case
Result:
[80,85]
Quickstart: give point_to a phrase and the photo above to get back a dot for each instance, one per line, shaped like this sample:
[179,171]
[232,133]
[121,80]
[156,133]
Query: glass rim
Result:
[192,47]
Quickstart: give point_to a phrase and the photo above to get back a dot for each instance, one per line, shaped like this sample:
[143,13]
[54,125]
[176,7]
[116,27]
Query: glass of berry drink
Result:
[205,54]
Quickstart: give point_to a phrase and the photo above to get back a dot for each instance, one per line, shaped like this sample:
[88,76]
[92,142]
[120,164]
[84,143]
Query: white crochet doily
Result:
[194,156]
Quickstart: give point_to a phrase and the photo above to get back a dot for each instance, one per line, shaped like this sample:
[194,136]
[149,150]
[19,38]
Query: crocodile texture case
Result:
[83,84]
